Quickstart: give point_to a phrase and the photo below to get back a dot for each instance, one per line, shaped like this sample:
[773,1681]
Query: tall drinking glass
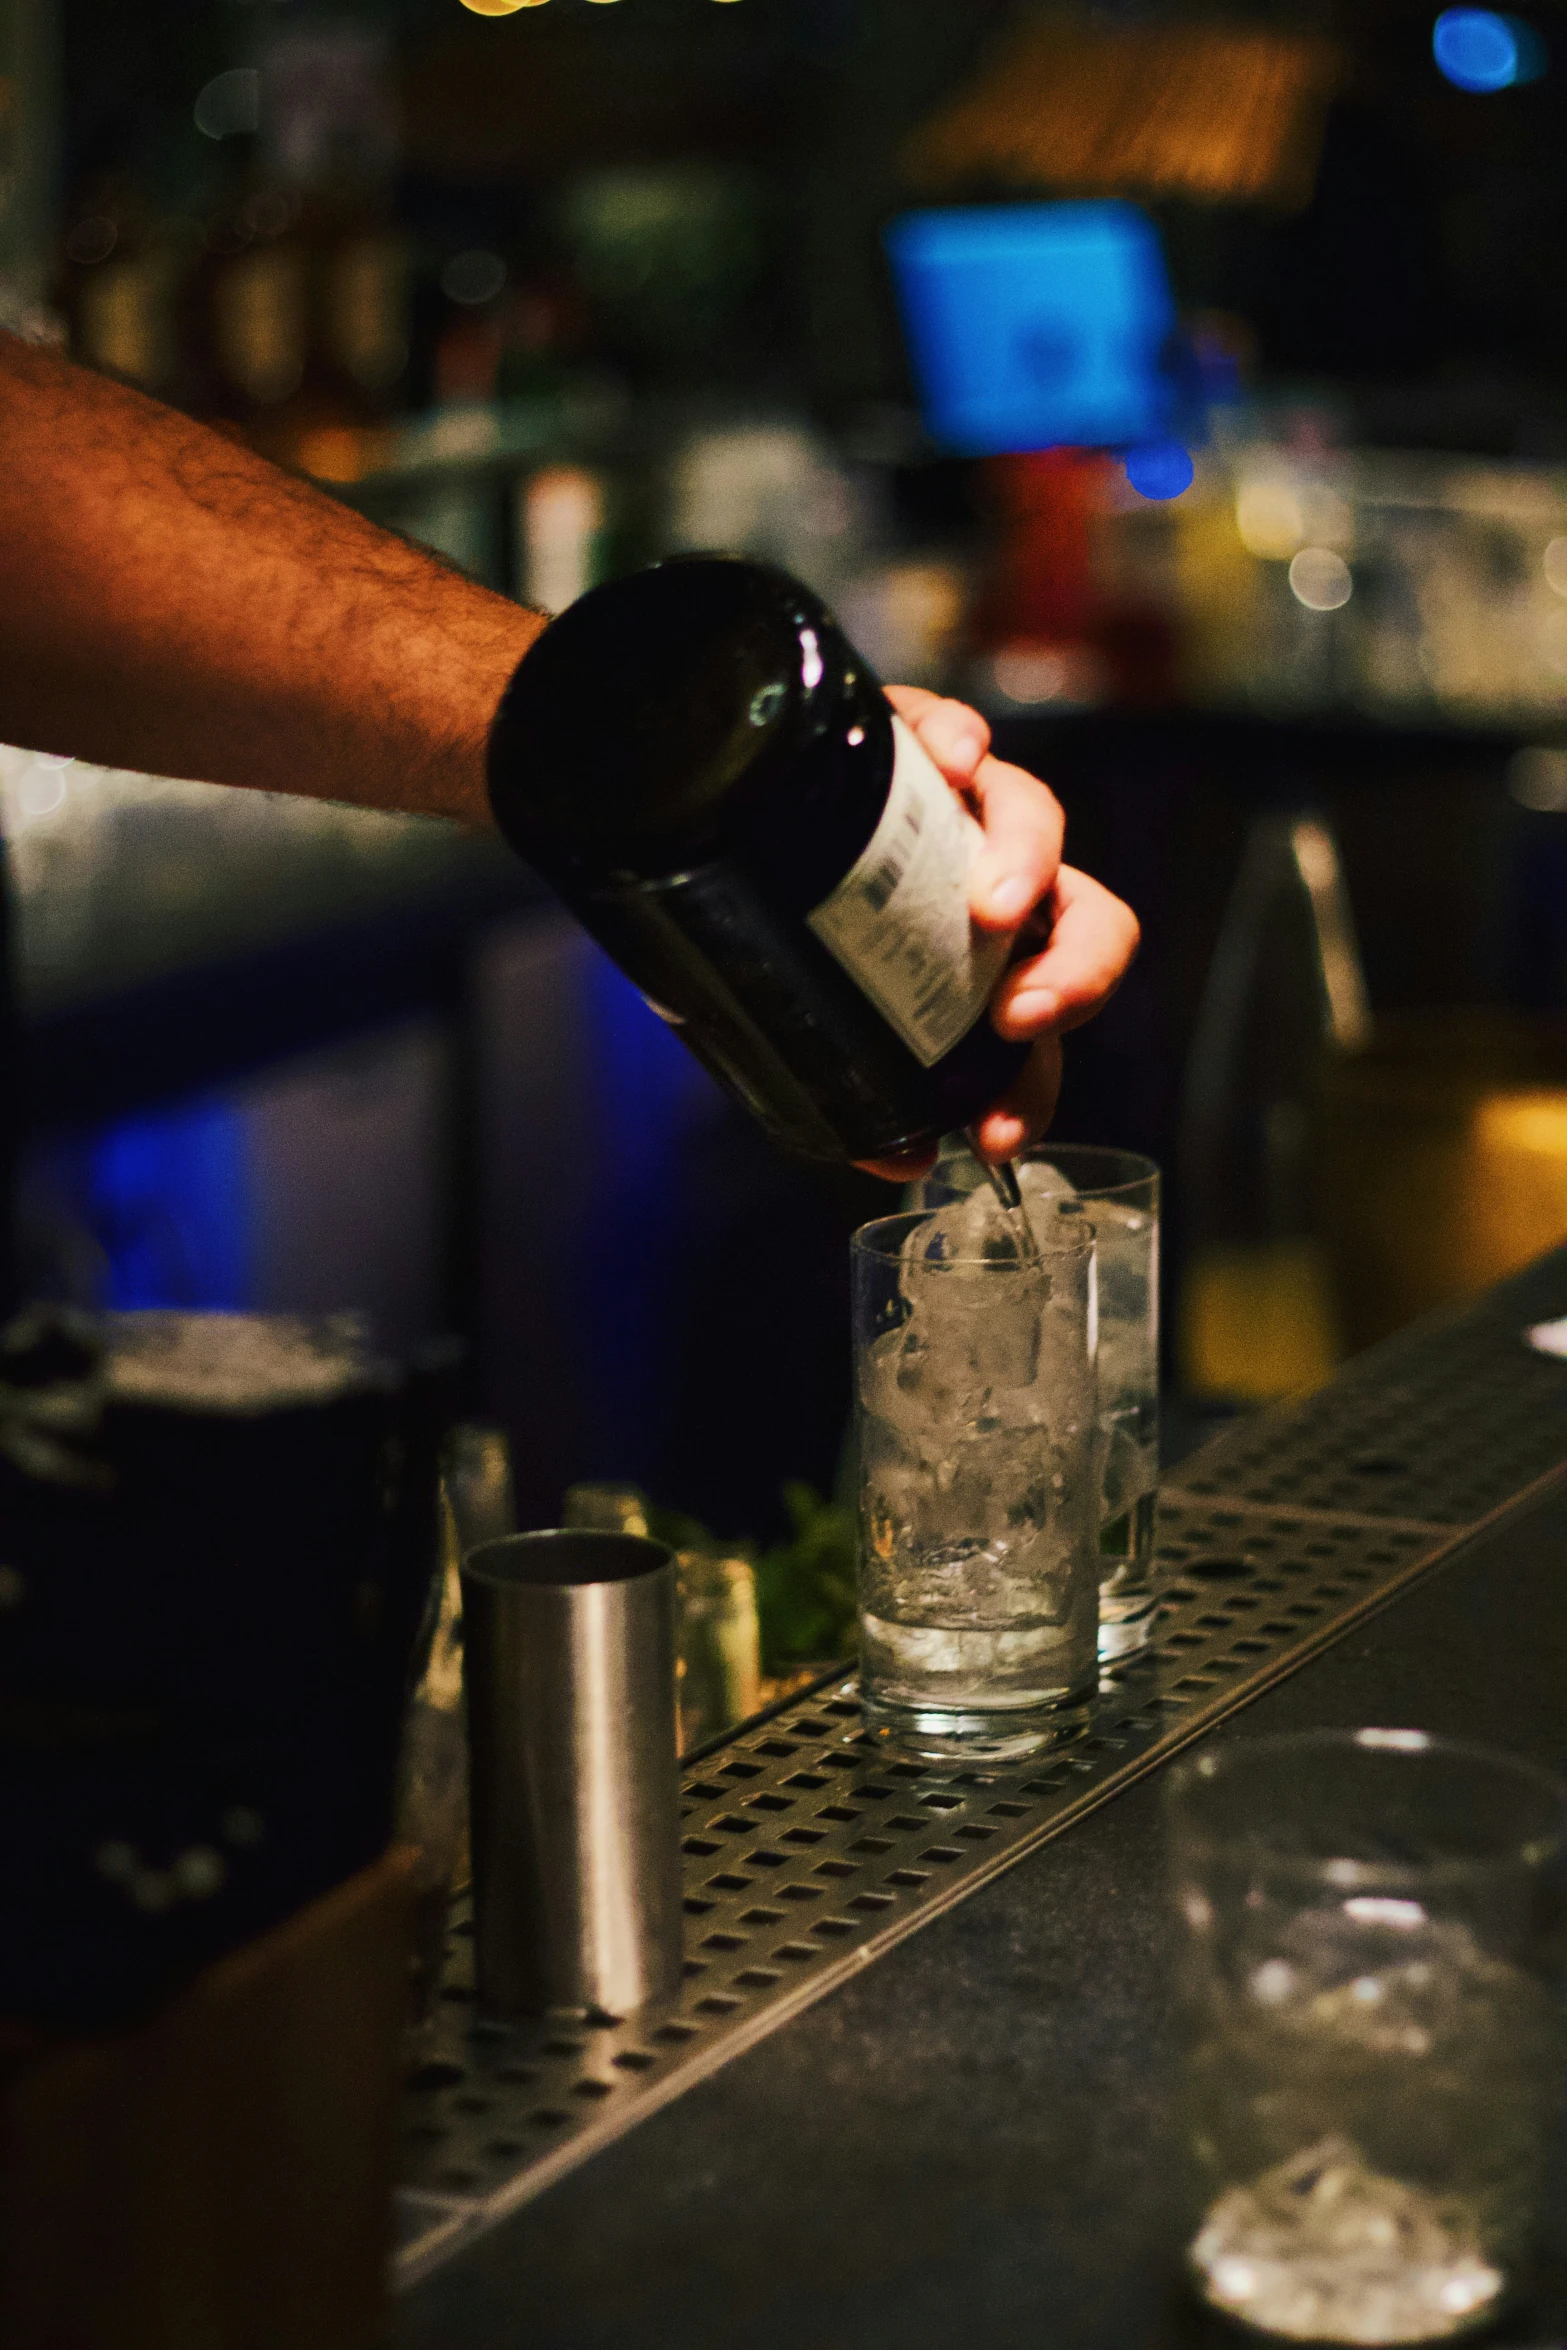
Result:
[1373,2044]
[979,1567]
[1119,1192]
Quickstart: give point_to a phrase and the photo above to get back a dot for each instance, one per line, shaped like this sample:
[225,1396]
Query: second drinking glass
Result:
[1373,1926]
[979,1500]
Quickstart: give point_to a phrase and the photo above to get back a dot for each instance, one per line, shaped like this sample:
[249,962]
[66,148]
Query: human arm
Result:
[170,601]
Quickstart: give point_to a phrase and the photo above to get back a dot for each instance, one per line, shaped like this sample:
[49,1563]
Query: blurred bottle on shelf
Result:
[907,615]
[359,349]
[1421,589]
[561,534]
[482,337]
[295,312]
[774,490]
[1077,607]
[247,308]
[666,257]
[330,129]
[116,284]
[478,1483]
[537,336]
[1039,601]
[1285,983]
[469,340]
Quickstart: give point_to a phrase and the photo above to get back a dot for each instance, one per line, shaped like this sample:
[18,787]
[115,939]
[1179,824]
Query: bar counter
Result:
[974,2139]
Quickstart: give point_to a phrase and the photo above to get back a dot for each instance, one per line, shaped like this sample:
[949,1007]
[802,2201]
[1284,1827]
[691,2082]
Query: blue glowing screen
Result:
[1480,51]
[1033,326]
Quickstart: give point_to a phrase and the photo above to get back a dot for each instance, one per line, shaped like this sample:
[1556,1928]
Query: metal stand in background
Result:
[1285,984]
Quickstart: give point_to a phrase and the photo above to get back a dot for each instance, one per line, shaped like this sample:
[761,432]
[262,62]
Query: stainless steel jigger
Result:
[570,1658]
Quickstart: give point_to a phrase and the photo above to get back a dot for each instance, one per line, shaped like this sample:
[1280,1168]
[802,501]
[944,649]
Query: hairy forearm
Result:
[170,601]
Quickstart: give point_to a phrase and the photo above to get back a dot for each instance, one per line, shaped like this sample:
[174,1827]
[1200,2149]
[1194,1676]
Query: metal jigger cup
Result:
[570,1659]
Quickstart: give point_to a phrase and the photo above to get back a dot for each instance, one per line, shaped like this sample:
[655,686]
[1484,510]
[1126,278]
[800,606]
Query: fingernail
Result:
[1038,1006]
[954,745]
[1004,1135]
[1009,899]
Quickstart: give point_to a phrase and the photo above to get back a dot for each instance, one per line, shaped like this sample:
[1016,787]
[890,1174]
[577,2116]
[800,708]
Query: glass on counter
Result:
[1118,1194]
[979,1487]
[1373,2046]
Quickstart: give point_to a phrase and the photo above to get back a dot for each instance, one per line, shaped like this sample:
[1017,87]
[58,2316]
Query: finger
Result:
[908,1167]
[1023,827]
[1089,951]
[1022,1114]
[955,736]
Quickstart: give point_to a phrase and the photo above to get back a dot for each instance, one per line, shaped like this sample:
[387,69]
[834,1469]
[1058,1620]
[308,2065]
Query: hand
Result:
[1088,937]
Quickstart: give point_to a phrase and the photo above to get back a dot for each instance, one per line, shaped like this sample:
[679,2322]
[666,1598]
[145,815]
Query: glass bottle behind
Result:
[116,284]
[1286,981]
[247,302]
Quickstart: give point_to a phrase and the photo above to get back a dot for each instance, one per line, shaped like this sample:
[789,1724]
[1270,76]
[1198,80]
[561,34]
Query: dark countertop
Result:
[975,2141]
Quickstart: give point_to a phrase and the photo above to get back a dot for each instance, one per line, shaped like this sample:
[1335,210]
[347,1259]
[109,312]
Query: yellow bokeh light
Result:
[1531,1123]
[500,7]
[1269,519]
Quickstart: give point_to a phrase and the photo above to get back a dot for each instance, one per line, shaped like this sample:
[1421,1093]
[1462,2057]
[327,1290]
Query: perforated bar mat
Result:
[1441,1425]
[808,1853]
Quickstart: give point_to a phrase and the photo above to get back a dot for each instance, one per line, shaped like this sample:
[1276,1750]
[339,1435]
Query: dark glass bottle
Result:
[705,769]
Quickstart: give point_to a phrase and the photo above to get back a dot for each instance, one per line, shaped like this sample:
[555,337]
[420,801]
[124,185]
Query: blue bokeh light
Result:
[1159,469]
[1480,51]
[168,1200]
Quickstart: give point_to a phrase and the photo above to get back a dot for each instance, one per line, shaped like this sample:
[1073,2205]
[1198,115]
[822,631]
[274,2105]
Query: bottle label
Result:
[898,921]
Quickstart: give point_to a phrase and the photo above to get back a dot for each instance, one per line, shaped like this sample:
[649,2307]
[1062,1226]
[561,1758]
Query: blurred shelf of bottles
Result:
[1286,581]
[515,408]
[1420,588]
[1406,589]
[1400,588]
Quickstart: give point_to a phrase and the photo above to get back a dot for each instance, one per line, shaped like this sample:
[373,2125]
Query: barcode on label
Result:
[877,889]
[935,1003]
[881,885]
[898,922]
